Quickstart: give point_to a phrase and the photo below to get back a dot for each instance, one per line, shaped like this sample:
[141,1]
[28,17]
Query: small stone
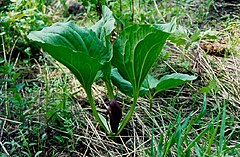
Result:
[75,7]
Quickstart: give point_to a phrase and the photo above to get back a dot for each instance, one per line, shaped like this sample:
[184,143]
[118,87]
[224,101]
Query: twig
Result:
[155,4]
[4,50]
[132,10]
[16,60]
[10,56]
[3,125]
[9,120]
[4,149]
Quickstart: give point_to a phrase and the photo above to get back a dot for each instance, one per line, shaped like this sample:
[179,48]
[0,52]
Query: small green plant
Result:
[89,54]
[17,21]
[11,97]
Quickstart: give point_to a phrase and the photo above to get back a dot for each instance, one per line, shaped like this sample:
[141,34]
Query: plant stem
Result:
[129,114]
[64,91]
[8,102]
[110,90]
[120,4]
[93,107]
[47,92]
[132,10]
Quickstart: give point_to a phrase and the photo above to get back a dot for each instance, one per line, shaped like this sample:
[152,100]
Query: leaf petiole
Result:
[110,89]
[129,114]
[94,109]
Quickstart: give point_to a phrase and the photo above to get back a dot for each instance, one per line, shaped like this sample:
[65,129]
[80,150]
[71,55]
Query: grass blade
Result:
[198,138]
[223,126]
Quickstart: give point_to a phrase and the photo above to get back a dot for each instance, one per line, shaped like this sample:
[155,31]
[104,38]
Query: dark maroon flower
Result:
[115,113]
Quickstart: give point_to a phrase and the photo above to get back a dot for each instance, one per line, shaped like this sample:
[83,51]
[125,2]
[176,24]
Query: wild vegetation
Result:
[120,78]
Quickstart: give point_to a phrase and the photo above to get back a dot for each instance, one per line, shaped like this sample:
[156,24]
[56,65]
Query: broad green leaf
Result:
[150,82]
[125,86]
[69,35]
[136,49]
[173,80]
[105,26]
[167,27]
[78,48]
[134,53]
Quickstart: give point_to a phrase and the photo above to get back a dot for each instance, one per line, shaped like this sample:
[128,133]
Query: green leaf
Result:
[20,86]
[212,86]
[209,34]
[173,80]
[196,140]
[70,36]
[179,37]
[196,35]
[167,27]
[150,82]
[223,129]
[103,119]
[123,85]
[134,53]
[136,49]
[78,48]
[105,26]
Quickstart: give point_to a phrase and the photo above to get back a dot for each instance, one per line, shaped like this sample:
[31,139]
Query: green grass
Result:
[44,110]
[202,142]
